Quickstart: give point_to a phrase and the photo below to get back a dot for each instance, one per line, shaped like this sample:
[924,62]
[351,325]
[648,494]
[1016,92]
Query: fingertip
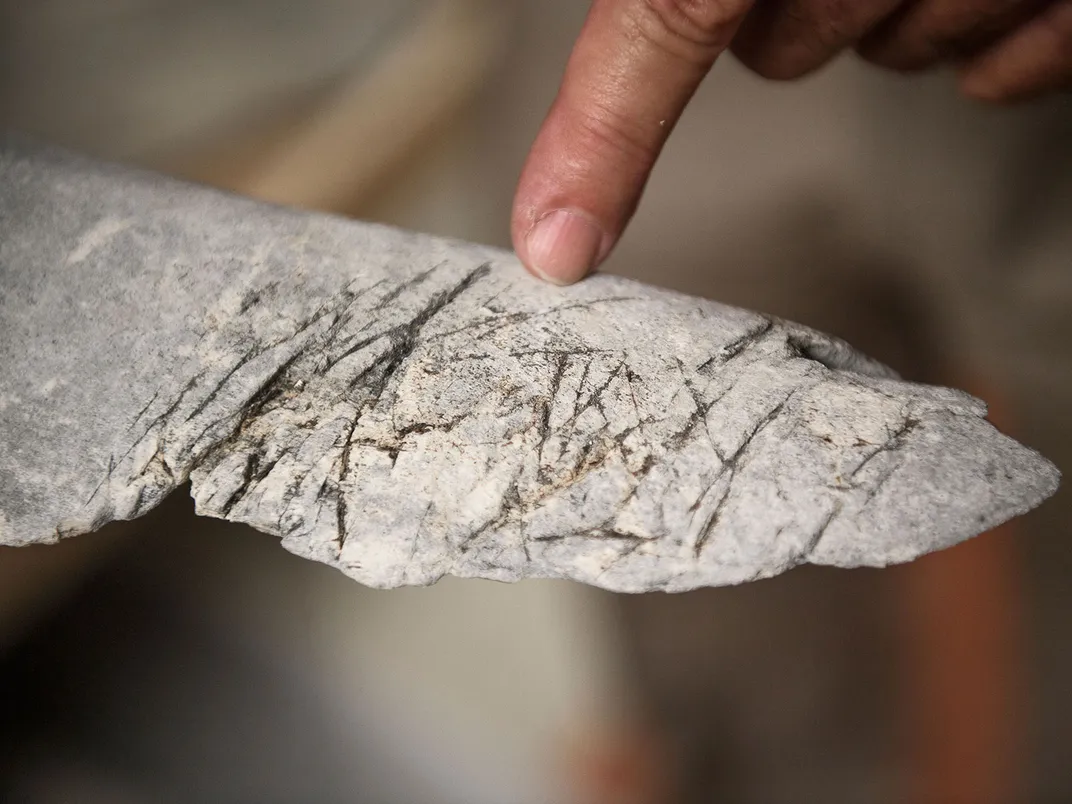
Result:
[978,86]
[563,246]
[1029,62]
[982,81]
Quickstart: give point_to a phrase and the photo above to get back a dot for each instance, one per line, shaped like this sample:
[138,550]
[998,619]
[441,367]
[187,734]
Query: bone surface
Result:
[404,407]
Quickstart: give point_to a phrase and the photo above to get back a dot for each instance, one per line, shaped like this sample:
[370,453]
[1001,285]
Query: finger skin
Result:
[787,39]
[928,32]
[1033,60]
[635,66]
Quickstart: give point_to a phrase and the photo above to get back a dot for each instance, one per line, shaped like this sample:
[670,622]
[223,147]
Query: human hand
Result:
[637,63]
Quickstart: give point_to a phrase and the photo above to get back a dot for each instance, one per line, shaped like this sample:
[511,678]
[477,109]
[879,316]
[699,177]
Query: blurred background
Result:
[174,660]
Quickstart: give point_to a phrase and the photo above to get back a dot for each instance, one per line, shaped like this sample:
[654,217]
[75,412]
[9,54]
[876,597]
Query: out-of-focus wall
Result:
[886,209]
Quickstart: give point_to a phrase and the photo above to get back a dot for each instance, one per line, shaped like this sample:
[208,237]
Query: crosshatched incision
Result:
[403,407]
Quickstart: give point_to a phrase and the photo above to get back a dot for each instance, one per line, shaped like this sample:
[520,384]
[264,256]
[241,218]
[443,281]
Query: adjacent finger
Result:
[785,39]
[633,69]
[932,31]
[1034,59]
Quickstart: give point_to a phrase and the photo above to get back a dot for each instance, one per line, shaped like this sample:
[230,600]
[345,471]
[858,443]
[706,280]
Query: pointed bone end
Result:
[959,477]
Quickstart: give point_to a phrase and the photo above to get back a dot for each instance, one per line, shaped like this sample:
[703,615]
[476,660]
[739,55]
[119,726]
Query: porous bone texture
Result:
[404,407]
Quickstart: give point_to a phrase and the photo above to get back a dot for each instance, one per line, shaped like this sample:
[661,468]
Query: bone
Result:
[403,407]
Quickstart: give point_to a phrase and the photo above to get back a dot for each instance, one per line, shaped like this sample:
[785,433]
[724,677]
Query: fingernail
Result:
[563,246]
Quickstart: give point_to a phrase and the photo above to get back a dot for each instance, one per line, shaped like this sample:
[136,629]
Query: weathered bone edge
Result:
[403,407]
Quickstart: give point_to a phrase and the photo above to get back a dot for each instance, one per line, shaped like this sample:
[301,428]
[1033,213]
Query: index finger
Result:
[634,68]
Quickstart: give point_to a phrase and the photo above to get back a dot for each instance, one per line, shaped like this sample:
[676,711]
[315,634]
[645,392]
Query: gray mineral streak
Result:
[403,407]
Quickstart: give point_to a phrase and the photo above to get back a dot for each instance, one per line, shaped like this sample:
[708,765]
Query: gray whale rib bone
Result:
[403,407]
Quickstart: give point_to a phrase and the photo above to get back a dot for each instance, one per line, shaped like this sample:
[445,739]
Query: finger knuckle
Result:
[842,22]
[696,28]
[808,35]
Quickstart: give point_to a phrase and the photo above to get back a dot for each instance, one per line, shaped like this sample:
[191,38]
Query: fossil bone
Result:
[403,407]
